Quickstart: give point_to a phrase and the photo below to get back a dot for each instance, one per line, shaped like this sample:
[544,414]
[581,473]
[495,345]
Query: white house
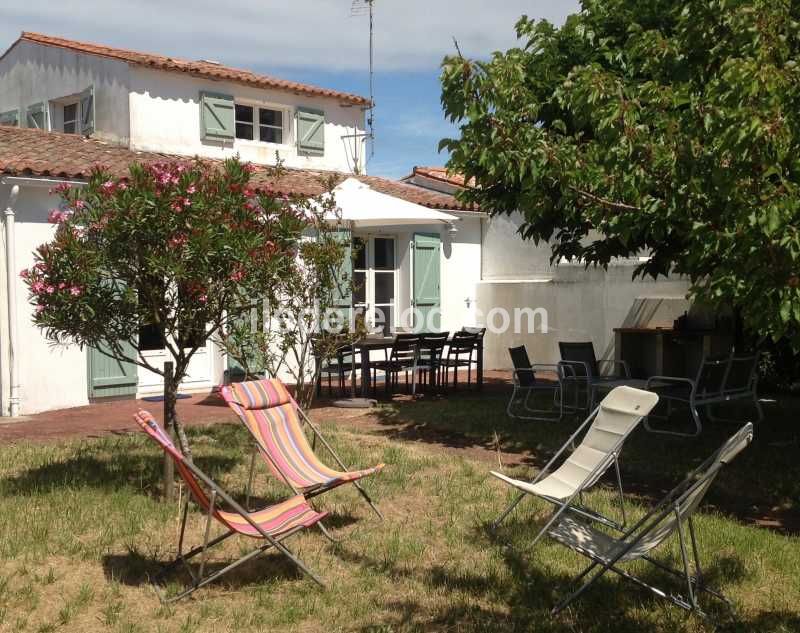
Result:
[67,105]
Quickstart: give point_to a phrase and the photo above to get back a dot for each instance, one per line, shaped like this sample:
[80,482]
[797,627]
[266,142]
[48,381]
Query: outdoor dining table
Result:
[365,346]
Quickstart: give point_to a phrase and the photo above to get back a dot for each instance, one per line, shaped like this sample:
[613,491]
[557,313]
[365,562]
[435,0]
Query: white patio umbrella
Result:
[361,206]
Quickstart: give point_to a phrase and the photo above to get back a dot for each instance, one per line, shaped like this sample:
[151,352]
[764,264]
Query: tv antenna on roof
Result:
[362,8]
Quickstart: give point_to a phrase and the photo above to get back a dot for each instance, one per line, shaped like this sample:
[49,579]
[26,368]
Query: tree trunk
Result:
[172,426]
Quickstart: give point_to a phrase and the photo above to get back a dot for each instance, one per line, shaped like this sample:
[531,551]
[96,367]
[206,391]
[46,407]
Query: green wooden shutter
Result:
[37,116]
[217,120]
[427,264]
[87,111]
[310,131]
[109,377]
[342,300]
[9,118]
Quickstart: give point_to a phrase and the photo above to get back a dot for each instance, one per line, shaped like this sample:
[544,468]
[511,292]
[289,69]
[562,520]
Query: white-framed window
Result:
[375,281]
[71,117]
[257,123]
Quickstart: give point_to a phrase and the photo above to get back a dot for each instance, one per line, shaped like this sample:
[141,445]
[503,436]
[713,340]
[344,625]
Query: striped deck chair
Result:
[271,525]
[275,421]
[609,425]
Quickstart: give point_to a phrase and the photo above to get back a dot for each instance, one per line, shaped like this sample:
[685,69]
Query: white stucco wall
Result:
[57,377]
[31,73]
[507,256]
[50,377]
[165,117]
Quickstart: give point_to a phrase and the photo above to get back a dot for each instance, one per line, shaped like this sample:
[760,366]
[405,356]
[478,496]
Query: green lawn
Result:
[81,530]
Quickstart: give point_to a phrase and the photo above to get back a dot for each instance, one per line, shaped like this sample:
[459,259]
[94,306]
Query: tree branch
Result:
[603,201]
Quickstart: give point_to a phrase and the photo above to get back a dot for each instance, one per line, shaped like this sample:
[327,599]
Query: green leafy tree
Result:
[171,248]
[653,127]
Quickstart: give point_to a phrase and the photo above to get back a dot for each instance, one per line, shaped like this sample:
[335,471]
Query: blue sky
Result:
[315,41]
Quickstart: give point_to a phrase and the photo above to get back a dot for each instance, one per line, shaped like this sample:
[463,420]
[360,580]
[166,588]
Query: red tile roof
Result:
[205,69]
[441,174]
[29,152]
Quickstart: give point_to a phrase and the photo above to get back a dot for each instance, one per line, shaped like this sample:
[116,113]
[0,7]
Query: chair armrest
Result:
[613,361]
[671,379]
[549,366]
[570,365]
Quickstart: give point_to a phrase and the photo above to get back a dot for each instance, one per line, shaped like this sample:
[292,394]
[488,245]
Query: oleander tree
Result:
[653,127]
[173,248]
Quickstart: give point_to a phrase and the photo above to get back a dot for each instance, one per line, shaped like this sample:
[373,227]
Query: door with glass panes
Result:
[375,281]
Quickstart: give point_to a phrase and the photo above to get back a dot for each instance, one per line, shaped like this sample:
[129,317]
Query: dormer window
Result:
[71,118]
[262,124]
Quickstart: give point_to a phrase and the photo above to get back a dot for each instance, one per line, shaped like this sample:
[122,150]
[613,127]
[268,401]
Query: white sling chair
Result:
[611,423]
[671,515]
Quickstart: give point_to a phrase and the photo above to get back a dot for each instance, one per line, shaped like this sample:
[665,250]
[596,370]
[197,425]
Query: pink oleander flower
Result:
[25,273]
[237,275]
[60,189]
[80,204]
[191,189]
[62,285]
[176,206]
[39,308]
[202,298]
[108,187]
[54,217]
[75,291]
[41,266]
[37,287]
[50,289]
[122,186]
[178,240]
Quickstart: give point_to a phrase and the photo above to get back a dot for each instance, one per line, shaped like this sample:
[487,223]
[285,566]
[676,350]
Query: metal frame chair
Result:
[665,519]
[404,356]
[270,414]
[462,343]
[609,425]
[525,382]
[581,367]
[272,524]
[717,381]
[431,350]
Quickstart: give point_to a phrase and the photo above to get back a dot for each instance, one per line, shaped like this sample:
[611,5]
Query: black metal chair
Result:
[580,369]
[431,351]
[526,384]
[403,358]
[718,380]
[461,351]
[342,363]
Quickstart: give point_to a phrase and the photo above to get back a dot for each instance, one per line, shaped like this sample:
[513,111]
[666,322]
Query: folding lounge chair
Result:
[270,413]
[272,524]
[611,423]
[670,516]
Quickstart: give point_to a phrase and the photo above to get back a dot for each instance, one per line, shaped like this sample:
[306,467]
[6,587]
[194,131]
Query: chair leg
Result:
[508,510]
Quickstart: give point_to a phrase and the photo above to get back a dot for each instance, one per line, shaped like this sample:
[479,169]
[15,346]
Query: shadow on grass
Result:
[612,604]
[136,569]
[759,489]
[111,473]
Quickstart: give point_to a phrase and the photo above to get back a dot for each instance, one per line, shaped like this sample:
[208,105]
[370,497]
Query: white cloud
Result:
[409,34]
